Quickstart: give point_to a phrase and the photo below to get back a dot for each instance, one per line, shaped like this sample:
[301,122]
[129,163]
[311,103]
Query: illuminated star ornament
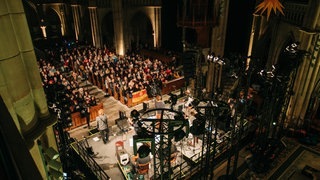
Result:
[270,5]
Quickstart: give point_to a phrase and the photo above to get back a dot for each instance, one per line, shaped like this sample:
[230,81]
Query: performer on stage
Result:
[102,126]
[188,99]
[159,104]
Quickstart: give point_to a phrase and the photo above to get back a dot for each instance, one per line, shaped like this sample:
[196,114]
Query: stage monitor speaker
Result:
[93,131]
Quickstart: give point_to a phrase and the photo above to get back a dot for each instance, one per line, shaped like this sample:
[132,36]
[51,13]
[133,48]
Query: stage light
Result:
[52,153]
[292,48]
[55,165]
[56,174]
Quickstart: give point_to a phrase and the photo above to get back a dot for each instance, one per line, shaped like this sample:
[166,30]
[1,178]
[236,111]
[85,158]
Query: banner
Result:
[139,96]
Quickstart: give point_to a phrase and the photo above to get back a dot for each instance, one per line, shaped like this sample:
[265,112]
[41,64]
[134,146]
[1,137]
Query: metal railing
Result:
[81,150]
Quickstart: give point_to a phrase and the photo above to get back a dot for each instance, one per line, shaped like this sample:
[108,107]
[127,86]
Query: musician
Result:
[188,99]
[158,104]
[102,126]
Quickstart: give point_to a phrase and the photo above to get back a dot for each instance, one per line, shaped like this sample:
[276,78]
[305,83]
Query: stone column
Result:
[252,37]
[157,28]
[76,11]
[306,79]
[118,26]
[210,77]
[219,32]
[62,11]
[95,28]
[217,46]
[20,82]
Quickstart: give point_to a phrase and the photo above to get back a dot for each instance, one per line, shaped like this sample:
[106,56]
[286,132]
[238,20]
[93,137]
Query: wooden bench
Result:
[137,98]
[173,85]
[167,88]
[78,121]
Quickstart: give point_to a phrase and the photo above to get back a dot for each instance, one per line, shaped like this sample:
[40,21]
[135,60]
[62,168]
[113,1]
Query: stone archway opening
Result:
[107,30]
[53,24]
[142,32]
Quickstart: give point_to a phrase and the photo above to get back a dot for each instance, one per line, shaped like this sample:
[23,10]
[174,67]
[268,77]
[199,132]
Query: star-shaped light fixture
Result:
[270,5]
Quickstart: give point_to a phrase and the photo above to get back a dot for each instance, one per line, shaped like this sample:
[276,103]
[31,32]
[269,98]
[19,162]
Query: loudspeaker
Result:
[145,106]
[189,64]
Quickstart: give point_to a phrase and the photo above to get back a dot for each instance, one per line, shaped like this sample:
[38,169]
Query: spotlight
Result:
[292,48]
[52,153]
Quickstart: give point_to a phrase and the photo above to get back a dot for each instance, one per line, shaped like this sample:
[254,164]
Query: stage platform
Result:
[188,155]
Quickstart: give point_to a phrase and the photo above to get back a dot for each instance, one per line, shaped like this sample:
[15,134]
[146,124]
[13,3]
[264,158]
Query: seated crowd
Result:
[61,69]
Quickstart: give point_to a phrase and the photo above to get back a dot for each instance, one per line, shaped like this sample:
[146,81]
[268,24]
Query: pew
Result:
[121,96]
[78,121]
[166,89]
[156,55]
[116,94]
[173,85]
[137,98]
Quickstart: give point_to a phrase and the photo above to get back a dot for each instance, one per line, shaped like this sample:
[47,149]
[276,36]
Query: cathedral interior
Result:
[206,89]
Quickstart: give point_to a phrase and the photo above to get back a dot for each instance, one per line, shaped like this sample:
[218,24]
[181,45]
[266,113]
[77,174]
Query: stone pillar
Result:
[118,26]
[157,28]
[219,32]
[62,11]
[76,13]
[252,37]
[183,34]
[218,38]
[95,28]
[306,79]
[210,76]
[20,82]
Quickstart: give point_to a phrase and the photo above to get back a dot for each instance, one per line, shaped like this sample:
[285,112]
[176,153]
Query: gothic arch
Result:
[107,29]
[285,63]
[32,19]
[142,30]
[191,36]
[53,19]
